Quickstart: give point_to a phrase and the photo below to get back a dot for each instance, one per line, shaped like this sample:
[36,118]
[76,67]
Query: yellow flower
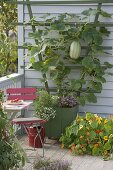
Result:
[105,138]
[62,145]
[105,121]
[99,121]
[98,118]
[96,145]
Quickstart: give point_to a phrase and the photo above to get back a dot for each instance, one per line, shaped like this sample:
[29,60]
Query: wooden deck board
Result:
[55,152]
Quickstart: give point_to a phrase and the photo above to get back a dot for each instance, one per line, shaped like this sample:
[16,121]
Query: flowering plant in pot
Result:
[58,111]
[67,101]
[44,105]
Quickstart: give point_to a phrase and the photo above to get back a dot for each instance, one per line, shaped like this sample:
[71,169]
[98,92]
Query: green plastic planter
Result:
[64,116]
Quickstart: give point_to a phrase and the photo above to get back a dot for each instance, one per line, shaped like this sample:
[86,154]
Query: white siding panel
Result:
[29,74]
[36,82]
[60,9]
[105,93]
[105,101]
[97,109]
[32,77]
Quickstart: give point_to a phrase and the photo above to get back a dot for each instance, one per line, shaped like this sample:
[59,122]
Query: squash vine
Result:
[69,42]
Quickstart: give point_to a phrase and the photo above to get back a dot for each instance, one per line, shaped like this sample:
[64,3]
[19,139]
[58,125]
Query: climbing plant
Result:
[67,42]
[8,38]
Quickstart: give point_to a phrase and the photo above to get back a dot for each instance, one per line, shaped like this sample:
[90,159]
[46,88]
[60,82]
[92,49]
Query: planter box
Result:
[64,116]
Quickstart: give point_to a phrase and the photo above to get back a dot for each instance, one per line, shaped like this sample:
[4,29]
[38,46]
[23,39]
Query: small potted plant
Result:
[58,111]
[66,110]
[44,105]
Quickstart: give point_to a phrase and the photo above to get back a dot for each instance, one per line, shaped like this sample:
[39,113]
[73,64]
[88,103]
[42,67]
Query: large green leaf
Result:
[92,135]
[104,31]
[88,62]
[81,100]
[95,151]
[75,84]
[52,61]
[100,79]
[89,12]
[97,86]
[35,50]
[87,35]
[107,146]
[58,26]
[94,125]
[109,65]
[105,14]
[91,98]
[39,66]
[88,115]
[37,35]
[32,60]
[97,38]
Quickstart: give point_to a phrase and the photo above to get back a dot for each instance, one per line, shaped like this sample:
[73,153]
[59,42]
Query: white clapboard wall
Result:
[32,77]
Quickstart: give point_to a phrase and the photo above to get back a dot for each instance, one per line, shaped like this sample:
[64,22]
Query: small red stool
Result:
[32,121]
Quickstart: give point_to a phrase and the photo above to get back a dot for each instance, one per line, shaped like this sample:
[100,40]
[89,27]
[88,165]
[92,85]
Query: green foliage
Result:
[8,40]
[44,105]
[90,134]
[10,156]
[54,36]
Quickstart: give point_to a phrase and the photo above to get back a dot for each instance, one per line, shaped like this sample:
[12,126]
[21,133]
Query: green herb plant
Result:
[45,105]
[55,35]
